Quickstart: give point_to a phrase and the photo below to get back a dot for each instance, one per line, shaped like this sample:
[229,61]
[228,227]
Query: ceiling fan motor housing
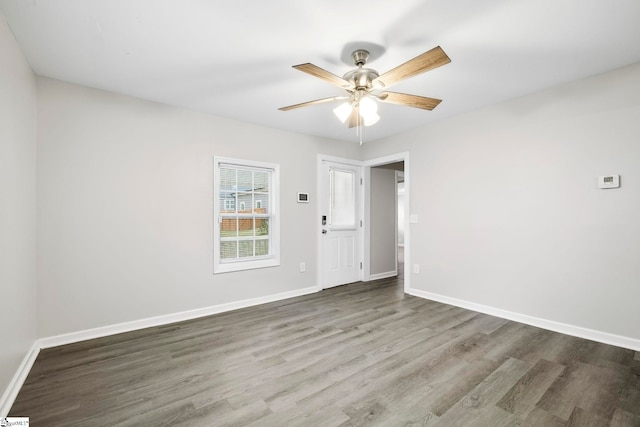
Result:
[361,78]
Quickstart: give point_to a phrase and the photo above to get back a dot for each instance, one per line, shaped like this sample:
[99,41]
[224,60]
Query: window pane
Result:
[227,202]
[246,248]
[261,182]
[245,180]
[227,179]
[245,227]
[262,226]
[262,247]
[261,203]
[229,227]
[342,206]
[247,200]
[228,250]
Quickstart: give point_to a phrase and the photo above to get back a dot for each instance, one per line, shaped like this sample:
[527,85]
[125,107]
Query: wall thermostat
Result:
[303,197]
[609,181]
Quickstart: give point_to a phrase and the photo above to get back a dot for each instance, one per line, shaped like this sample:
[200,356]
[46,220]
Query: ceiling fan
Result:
[364,86]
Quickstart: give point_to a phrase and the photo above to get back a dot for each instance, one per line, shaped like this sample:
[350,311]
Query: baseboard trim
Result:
[119,328]
[11,392]
[563,328]
[383,275]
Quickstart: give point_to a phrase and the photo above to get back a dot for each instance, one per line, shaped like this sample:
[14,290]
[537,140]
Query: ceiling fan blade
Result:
[409,100]
[429,60]
[317,101]
[354,117]
[323,74]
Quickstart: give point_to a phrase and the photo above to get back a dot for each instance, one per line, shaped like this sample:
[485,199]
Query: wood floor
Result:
[361,354]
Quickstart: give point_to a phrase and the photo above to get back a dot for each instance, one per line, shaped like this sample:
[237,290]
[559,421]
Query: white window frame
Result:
[273,259]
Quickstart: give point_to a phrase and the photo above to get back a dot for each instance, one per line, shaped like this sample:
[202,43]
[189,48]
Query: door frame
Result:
[318,228]
[367,165]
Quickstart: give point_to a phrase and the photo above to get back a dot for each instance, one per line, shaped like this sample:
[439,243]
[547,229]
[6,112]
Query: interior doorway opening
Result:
[386,240]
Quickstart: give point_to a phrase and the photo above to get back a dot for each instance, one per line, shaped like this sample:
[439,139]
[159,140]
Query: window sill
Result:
[245,265]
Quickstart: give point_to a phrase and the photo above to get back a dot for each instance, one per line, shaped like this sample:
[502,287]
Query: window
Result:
[245,238]
[342,207]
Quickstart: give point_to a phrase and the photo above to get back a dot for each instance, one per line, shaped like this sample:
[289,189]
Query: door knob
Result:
[324,231]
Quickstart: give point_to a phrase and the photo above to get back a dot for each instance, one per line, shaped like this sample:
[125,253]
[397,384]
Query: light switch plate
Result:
[413,218]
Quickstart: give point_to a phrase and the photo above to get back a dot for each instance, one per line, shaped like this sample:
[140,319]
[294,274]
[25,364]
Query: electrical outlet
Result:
[303,267]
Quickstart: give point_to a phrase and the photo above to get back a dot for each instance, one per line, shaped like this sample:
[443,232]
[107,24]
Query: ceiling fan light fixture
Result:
[368,106]
[342,111]
[370,119]
[368,110]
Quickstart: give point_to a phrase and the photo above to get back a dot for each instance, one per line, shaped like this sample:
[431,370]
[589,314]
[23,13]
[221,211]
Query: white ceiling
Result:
[233,58]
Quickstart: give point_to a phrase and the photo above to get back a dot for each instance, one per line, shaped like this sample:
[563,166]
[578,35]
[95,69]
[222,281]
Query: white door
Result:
[341,225]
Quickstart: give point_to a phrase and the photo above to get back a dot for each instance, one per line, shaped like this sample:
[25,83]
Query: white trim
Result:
[383,275]
[563,328]
[366,230]
[104,331]
[11,392]
[397,176]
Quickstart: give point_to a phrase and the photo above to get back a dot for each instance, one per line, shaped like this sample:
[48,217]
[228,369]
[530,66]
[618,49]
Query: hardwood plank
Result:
[524,395]
[581,418]
[589,387]
[478,406]
[541,418]
[622,418]
[630,394]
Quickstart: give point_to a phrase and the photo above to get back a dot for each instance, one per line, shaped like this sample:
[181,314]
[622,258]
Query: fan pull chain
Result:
[359,128]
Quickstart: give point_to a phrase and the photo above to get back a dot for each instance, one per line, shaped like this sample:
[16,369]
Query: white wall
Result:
[125,208]
[509,211]
[382,219]
[17,208]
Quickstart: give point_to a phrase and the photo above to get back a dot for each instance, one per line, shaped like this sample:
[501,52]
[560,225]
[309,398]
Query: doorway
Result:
[363,233]
[386,231]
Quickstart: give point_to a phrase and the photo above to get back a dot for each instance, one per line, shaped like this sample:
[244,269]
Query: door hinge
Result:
[360,223]
[360,181]
[360,266]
